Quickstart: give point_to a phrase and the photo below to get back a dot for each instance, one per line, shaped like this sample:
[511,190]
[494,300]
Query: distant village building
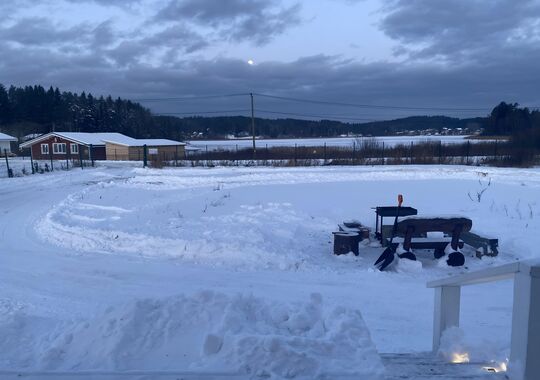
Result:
[98,146]
[5,143]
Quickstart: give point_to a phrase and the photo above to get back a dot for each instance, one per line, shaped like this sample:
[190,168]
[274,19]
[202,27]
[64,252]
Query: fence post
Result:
[382,154]
[468,151]
[32,161]
[51,157]
[90,154]
[295,153]
[176,155]
[10,173]
[145,156]
[440,152]
[353,151]
[495,153]
[115,156]
[410,153]
[80,158]
[68,155]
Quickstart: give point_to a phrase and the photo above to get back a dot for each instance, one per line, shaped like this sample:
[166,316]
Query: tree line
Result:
[522,124]
[34,109]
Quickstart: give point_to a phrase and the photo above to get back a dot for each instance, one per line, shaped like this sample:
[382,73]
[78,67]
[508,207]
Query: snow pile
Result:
[208,332]
[455,347]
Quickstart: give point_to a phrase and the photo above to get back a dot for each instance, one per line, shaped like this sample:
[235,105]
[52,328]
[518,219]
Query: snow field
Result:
[240,244]
[389,141]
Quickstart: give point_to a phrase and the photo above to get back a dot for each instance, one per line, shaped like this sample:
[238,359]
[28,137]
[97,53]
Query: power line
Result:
[186,98]
[314,101]
[201,112]
[266,111]
[317,116]
[368,105]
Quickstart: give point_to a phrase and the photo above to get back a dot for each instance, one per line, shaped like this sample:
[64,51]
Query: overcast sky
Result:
[403,53]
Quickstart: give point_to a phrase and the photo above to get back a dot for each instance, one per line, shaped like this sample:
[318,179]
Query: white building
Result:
[5,142]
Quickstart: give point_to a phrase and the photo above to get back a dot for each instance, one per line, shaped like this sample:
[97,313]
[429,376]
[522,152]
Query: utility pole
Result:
[253,126]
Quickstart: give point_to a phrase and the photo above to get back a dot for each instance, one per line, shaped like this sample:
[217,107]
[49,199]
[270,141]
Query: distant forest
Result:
[33,109]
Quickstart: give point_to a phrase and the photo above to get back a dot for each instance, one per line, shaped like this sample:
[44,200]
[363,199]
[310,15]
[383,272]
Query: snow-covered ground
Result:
[389,141]
[231,269]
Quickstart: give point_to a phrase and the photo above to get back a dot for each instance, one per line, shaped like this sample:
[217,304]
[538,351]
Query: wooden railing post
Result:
[524,363]
[525,341]
[446,313]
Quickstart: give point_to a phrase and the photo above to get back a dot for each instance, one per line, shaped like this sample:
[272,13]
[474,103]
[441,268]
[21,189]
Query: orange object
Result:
[400,199]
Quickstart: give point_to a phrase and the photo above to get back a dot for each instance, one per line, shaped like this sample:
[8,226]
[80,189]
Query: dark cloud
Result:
[447,60]
[169,42]
[316,77]
[459,30]
[178,37]
[118,3]
[239,20]
[41,31]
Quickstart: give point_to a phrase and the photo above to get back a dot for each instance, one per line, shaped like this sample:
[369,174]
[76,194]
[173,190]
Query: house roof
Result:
[4,137]
[99,139]
[129,141]
[84,138]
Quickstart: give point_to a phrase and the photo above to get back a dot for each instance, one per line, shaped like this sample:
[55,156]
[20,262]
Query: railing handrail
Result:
[501,272]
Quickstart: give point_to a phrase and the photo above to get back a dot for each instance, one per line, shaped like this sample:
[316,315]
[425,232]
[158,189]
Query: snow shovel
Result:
[388,254]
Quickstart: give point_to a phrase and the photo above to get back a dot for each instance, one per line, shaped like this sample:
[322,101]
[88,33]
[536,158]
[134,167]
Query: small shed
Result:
[5,143]
[130,149]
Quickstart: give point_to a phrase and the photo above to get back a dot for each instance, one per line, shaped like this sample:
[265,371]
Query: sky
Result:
[383,58]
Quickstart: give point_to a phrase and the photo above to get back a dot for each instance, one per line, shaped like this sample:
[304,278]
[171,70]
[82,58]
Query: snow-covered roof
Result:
[100,138]
[4,137]
[92,138]
[129,141]
[31,136]
[84,138]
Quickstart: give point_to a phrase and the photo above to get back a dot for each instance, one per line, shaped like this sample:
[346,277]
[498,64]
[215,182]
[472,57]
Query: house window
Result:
[59,148]
[74,148]
[44,148]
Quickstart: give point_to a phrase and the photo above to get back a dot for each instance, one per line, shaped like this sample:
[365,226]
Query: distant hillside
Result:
[33,109]
[222,126]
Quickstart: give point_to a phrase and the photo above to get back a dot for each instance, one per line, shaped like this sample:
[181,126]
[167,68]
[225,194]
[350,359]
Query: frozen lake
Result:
[335,141]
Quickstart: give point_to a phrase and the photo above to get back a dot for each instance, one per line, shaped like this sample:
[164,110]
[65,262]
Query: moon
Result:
[250,62]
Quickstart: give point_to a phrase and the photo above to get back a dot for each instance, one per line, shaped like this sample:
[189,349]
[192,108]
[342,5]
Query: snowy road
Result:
[74,244]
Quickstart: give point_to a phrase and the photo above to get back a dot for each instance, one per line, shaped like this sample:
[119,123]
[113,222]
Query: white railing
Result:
[524,361]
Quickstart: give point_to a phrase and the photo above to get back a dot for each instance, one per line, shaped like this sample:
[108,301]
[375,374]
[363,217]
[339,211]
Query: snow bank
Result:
[206,332]
[456,347]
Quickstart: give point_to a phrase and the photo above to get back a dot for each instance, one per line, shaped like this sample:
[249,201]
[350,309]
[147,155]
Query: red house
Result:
[66,145]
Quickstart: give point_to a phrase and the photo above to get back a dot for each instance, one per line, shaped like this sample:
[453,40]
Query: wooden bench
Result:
[454,226]
[484,246]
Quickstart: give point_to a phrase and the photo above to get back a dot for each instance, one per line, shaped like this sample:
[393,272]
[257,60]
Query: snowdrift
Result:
[206,332]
